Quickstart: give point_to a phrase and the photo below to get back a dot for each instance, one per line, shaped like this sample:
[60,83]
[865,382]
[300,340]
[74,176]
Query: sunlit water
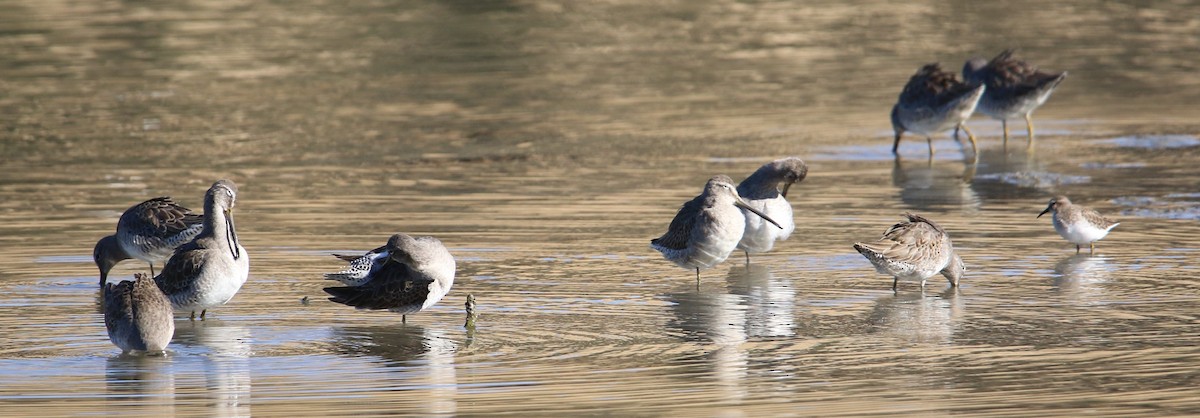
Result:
[545,144]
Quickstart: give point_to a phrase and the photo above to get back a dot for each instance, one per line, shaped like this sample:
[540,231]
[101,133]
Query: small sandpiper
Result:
[707,228]
[933,101]
[1077,224]
[914,249]
[763,192]
[138,315]
[405,276]
[210,269]
[149,231]
[1014,87]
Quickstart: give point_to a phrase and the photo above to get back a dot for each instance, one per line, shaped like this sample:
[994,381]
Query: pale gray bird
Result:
[210,269]
[1077,224]
[708,228]
[766,190]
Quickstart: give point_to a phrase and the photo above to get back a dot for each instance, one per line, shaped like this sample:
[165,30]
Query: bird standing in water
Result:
[405,276]
[763,191]
[707,228]
[914,249]
[149,231]
[1014,88]
[138,315]
[210,269]
[1077,224]
[933,101]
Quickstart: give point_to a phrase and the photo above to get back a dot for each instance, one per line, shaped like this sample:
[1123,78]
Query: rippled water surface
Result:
[545,143]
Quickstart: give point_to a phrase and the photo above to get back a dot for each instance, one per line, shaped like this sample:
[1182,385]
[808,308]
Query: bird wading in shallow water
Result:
[707,228]
[405,276]
[1077,224]
[210,269]
[933,101]
[914,249]
[1014,88]
[138,315]
[763,191]
[149,231]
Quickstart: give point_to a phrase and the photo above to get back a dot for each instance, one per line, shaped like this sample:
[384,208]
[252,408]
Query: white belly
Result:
[1080,233]
[220,281]
[760,235]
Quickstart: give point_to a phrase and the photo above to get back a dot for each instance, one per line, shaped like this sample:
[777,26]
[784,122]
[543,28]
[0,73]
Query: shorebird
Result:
[149,231]
[210,269]
[138,315]
[914,249]
[405,276]
[707,228]
[933,101]
[1077,224]
[762,191]
[1014,87]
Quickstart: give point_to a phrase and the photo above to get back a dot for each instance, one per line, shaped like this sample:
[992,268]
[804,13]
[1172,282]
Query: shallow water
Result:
[545,144]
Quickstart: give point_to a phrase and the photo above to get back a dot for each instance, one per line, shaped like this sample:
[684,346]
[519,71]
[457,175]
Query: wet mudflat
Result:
[545,144]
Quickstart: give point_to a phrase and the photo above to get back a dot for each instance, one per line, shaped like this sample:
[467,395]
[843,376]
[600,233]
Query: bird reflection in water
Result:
[1082,277]
[226,353]
[425,357]
[918,317]
[926,185]
[140,385]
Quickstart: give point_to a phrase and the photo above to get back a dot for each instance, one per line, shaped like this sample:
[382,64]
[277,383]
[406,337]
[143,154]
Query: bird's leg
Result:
[747,258]
[929,139]
[922,285]
[895,280]
[896,143]
[152,270]
[202,313]
[1093,251]
[1076,248]
[1004,122]
[1029,125]
[193,316]
[403,319]
[970,136]
[697,279]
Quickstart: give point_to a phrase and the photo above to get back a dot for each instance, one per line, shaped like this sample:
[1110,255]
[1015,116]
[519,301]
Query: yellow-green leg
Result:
[1029,125]
[970,136]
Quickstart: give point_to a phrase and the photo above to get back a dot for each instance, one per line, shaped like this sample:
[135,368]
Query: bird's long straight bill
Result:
[742,204]
[231,235]
[786,186]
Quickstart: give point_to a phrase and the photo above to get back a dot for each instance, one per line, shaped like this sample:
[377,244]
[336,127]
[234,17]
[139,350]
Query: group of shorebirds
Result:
[205,265]
[755,214]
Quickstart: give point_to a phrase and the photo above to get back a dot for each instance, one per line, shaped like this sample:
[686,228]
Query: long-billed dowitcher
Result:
[210,269]
[149,231]
[138,315]
[707,228]
[1014,87]
[914,249]
[762,191]
[1077,224]
[405,276]
[933,101]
